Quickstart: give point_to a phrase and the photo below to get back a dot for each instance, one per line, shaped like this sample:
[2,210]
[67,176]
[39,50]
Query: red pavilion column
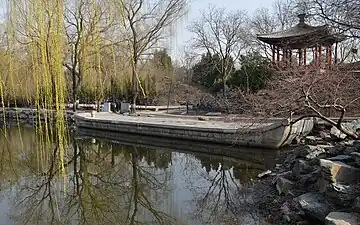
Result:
[320,57]
[290,57]
[336,52]
[305,57]
[316,56]
[284,58]
[330,56]
[273,53]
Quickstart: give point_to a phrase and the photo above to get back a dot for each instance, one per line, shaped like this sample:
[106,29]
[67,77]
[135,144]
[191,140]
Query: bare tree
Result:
[223,34]
[148,23]
[85,22]
[284,13]
[342,14]
[262,22]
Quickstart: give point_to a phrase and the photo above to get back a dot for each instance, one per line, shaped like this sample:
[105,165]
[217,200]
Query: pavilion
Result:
[301,38]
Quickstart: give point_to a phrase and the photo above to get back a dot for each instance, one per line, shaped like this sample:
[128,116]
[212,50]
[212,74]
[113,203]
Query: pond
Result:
[125,180]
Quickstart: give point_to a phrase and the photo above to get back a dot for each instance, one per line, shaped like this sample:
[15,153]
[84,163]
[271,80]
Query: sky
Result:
[182,36]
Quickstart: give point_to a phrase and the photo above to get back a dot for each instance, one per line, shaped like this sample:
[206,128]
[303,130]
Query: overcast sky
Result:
[182,36]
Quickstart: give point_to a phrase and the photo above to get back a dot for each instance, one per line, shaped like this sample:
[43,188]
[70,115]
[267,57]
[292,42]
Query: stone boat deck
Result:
[252,133]
[193,123]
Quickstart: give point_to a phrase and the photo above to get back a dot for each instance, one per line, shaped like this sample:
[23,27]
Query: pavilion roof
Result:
[300,35]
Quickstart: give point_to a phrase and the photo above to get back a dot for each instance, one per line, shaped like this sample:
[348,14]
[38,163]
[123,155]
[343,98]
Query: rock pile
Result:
[317,183]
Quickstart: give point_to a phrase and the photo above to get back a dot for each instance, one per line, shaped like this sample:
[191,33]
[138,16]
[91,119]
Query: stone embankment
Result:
[29,115]
[317,183]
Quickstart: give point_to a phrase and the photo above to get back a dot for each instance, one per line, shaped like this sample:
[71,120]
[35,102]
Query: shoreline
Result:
[317,182]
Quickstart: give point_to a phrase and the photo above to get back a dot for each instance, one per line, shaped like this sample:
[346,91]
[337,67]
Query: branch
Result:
[337,124]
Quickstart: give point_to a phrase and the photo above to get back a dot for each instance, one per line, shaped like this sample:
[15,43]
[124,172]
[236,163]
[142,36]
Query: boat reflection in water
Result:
[128,180]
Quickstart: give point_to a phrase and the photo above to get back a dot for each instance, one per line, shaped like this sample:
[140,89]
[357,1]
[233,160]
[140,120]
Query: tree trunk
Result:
[224,87]
[134,87]
[169,95]
[74,90]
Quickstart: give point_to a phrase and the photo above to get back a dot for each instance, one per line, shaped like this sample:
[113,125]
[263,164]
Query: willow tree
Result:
[148,23]
[35,28]
[89,27]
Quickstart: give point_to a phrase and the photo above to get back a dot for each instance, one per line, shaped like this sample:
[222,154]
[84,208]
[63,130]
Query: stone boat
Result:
[274,133]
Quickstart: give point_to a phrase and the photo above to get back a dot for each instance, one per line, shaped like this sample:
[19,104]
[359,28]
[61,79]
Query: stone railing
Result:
[30,115]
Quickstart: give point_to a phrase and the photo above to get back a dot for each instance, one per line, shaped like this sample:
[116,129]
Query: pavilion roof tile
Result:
[300,29]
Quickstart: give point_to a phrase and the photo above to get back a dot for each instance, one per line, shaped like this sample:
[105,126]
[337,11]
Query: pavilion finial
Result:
[302,17]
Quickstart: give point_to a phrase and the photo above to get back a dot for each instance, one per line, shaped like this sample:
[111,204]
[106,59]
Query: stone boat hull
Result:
[269,134]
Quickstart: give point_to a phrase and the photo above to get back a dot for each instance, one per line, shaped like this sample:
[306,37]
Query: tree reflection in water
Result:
[108,182]
[223,199]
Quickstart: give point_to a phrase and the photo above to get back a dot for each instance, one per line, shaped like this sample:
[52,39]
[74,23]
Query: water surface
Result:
[129,180]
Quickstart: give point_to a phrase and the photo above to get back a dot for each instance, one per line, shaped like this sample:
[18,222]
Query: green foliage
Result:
[253,74]
[162,60]
[205,71]
[251,77]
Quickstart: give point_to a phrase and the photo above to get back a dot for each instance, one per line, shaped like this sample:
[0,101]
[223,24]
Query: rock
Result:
[314,205]
[301,167]
[283,185]
[353,126]
[304,222]
[348,143]
[286,212]
[322,183]
[324,135]
[325,146]
[290,158]
[342,218]
[213,114]
[349,150]
[305,151]
[356,157]
[263,174]
[203,118]
[302,151]
[313,140]
[342,195]
[341,158]
[356,205]
[337,133]
[339,172]
[332,150]
[319,152]
[309,180]
[286,174]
